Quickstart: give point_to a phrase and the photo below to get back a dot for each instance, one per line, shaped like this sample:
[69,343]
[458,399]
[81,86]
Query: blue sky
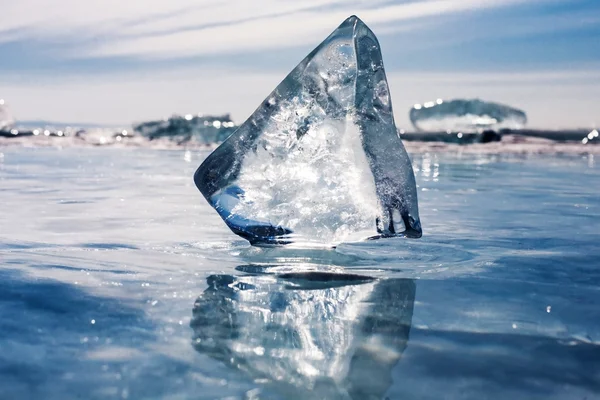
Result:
[116,61]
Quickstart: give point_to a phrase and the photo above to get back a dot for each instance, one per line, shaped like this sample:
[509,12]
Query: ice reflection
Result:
[307,335]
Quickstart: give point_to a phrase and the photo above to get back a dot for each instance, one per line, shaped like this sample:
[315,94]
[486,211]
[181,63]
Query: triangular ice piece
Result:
[320,160]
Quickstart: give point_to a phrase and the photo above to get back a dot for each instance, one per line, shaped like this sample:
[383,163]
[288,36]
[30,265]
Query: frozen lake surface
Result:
[118,280]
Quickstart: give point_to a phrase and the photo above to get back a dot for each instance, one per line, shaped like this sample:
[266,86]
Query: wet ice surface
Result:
[118,280]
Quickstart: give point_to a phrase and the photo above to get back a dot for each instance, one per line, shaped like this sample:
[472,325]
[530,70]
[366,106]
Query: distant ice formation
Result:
[203,129]
[465,116]
[321,159]
[6,119]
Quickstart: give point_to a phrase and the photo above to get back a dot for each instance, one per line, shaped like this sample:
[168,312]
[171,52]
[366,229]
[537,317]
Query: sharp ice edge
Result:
[465,116]
[320,160]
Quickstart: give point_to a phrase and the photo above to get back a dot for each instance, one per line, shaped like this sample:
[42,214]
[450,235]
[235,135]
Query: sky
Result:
[117,62]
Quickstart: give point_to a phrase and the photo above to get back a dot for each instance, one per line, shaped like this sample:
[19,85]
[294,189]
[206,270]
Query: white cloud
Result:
[156,28]
[288,27]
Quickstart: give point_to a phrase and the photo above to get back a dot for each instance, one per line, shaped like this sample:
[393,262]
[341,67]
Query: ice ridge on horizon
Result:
[200,128]
[320,160]
[462,115]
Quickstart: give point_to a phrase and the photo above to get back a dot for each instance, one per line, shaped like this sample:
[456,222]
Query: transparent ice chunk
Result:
[320,160]
[465,116]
